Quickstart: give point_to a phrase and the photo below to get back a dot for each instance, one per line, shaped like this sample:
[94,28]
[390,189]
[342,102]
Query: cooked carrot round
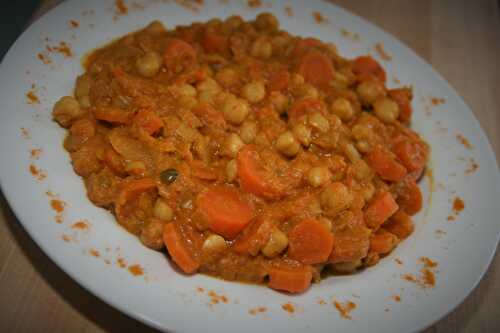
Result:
[310,242]
[317,69]
[291,279]
[178,250]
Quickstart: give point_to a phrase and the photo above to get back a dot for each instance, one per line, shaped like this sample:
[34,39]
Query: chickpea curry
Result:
[247,153]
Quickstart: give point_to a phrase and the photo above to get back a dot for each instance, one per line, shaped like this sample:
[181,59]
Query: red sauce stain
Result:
[464,141]
[57,205]
[319,18]
[81,225]
[66,238]
[321,302]
[44,58]
[379,48]
[200,290]
[121,8]
[436,101]
[63,48]
[121,262]
[37,173]
[288,307]
[32,97]
[136,270]
[458,205]
[397,298]
[73,23]
[345,308]
[254,3]
[59,219]
[427,278]
[289,11]
[216,298]
[410,278]
[94,253]
[257,310]
[396,80]
[25,133]
[472,167]
[35,153]
[428,263]
[398,261]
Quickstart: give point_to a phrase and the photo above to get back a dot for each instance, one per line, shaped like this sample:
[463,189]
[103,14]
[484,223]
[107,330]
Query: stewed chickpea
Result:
[369,91]
[318,176]
[233,145]
[254,91]
[162,210]
[248,131]
[287,144]
[343,109]
[152,235]
[386,110]
[66,110]
[149,64]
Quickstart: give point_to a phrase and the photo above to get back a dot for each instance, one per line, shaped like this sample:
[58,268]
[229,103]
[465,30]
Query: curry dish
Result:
[247,153]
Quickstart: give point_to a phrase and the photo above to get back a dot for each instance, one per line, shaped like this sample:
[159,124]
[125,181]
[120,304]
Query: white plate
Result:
[166,299]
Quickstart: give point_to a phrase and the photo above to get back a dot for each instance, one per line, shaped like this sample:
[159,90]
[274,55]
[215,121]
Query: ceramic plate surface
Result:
[93,252]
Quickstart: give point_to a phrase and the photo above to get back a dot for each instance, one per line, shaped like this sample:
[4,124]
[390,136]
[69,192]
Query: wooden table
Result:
[461,39]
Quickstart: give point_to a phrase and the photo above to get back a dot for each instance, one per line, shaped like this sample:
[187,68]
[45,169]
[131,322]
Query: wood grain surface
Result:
[460,38]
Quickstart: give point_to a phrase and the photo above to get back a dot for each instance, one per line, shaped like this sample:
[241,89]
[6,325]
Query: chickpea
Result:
[266,21]
[186,89]
[327,223]
[66,110]
[363,146]
[248,131]
[254,92]
[162,210]
[149,64]
[152,235]
[370,91]
[227,76]
[343,109]
[386,110]
[277,242]
[279,101]
[305,90]
[231,170]
[368,190]
[261,48]
[302,133]
[233,145]
[287,144]
[155,27]
[362,170]
[235,110]
[214,243]
[83,84]
[135,167]
[347,267]
[335,198]
[362,132]
[187,102]
[208,84]
[297,79]
[318,121]
[318,176]
[351,152]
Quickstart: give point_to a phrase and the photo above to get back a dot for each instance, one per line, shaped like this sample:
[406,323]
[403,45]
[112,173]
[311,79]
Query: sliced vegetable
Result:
[254,178]
[168,176]
[254,237]
[129,192]
[149,121]
[305,106]
[380,209]
[303,45]
[310,242]
[113,115]
[178,51]
[225,210]
[201,171]
[317,69]
[382,242]
[413,155]
[214,43]
[409,197]
[385,165]
[400,224]
[178,249]
[279,81]
[290,279]
[365,67]
[114,162]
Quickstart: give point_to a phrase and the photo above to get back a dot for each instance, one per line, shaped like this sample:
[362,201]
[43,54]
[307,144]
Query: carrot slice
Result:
[385,165]
[279,81]
[317,69]
[303,46]
[402,97]
[253,238]
[113,115]
[178,250]
[380,209]
[366,66]
[413,155]
[201,171]
[225,211]
[178,51]
[310,242]
[130,191]
[382,242]
[400,224]
[351,244]
[290,279]
[214,43]
[148,120]
[114,161]
[254,178]
[304,106]
[409,197]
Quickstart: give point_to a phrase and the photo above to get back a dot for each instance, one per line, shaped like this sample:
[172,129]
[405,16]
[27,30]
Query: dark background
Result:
[14,17]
